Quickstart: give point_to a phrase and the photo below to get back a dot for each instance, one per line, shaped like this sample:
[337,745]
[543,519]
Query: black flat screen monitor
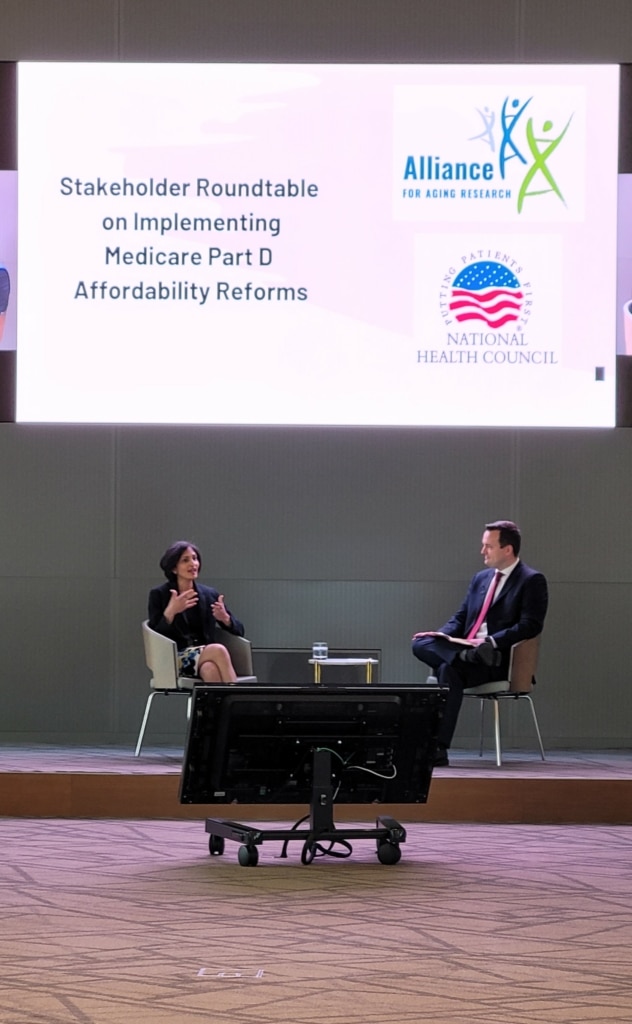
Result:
[256,745]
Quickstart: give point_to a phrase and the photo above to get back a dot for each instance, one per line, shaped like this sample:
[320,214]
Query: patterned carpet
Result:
[116,922]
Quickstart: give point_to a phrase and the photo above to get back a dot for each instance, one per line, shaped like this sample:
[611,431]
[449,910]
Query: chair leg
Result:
[141,734]
[480,744]
[499,759]
[535,722]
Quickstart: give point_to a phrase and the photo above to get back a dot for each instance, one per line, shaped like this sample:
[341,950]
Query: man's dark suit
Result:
[517,614]
[189,629]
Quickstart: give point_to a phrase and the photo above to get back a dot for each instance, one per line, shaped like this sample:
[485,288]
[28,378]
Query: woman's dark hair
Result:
[172,556]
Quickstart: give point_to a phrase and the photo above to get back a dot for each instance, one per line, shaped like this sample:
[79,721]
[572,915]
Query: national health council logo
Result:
[486,295]
[485,303]
[487,292]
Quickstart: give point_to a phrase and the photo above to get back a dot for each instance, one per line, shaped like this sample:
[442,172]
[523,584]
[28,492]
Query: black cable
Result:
[293,828]
[312,847]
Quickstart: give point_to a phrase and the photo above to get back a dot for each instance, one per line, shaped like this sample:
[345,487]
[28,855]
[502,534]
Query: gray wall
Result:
[355,536]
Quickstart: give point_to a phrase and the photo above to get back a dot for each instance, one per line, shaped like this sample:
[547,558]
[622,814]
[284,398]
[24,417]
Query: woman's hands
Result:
[179,603]
[219,611]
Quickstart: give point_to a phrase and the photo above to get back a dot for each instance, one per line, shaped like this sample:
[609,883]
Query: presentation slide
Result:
[624,267]
[8,258]
[317,244]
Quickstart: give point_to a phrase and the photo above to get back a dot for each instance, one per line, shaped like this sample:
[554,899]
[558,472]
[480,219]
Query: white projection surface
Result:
[317,244]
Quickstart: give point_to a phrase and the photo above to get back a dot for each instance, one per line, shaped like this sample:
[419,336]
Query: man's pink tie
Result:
[489,597]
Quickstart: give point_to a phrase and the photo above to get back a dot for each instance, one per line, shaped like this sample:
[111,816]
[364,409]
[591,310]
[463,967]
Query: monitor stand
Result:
[388,833]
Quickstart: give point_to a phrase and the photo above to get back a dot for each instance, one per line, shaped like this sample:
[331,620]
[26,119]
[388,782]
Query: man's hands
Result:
[455,639]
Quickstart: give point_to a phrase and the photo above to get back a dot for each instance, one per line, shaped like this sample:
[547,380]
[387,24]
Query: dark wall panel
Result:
[578,489]
[576,31]
[330,30]
[56,501]
[311,504]
[59,30]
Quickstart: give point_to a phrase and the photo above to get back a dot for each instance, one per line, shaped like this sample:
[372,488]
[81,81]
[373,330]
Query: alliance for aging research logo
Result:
[510,156]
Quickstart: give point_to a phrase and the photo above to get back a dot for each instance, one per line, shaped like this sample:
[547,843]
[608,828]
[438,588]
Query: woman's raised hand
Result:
[179,603]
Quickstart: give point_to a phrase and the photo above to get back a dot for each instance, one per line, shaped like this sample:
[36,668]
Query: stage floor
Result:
[583,787]
[568,764]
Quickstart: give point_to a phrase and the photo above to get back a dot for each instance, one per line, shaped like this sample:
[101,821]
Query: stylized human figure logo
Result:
[487,135]
[510,114]
[539,165]
[539,147]
[508,121]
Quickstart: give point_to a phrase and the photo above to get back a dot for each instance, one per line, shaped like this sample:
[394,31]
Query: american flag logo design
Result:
[486,291]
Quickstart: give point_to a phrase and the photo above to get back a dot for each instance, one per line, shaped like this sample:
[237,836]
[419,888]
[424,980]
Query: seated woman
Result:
[188,612]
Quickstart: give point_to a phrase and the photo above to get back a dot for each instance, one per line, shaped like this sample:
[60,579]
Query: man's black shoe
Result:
[441,758]
[484,654]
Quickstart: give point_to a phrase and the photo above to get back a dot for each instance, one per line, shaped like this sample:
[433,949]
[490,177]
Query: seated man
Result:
[505,603]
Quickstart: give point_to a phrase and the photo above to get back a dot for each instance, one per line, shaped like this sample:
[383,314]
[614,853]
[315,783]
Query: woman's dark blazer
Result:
[177,630]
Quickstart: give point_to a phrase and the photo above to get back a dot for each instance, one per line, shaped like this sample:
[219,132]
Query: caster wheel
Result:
[248,856]
[388,853]
[216,845]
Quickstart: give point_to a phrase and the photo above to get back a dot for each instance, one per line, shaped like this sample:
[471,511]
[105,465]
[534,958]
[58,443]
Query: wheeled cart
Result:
[388,833]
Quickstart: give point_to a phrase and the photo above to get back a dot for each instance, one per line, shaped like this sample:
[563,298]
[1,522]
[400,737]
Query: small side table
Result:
[367,662]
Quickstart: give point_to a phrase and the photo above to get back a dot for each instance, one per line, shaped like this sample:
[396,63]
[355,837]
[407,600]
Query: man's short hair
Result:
[508,534]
